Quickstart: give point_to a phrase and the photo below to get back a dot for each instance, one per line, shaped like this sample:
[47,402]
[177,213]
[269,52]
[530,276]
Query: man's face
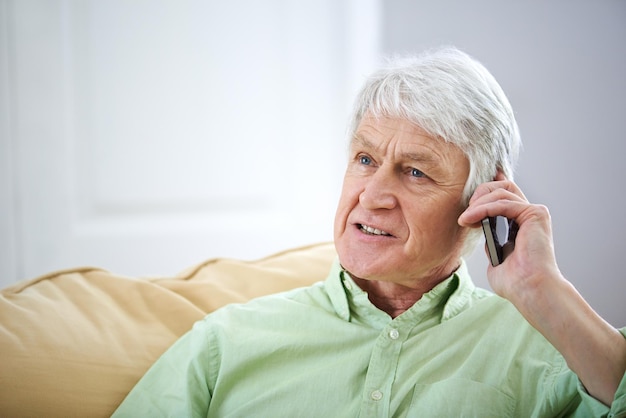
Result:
[397,215]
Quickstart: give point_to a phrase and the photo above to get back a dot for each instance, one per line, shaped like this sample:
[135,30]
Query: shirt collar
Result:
[447,299]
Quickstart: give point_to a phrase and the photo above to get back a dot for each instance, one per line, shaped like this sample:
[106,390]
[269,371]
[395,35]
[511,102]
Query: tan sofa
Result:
[73,343]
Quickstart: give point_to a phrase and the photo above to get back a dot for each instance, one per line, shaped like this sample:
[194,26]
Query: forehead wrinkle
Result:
[358,139]
[421,157]
[428,157]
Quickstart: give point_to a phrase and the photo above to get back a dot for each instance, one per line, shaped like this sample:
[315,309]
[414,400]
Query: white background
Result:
[147,136]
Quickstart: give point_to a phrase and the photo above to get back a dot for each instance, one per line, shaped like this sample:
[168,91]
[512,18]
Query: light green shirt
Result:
[326,351]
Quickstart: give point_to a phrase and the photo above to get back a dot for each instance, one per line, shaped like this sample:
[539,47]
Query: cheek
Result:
[347,200]
[455,234]
[340,223]
[435,228]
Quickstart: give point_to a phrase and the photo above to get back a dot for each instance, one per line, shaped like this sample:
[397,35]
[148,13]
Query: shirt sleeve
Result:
[617,407]
[177,384]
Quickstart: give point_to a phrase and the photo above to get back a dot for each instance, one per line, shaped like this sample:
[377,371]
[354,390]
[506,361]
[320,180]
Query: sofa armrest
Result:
[74,342]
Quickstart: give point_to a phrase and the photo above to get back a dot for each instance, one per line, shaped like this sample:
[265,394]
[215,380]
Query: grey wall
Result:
[563,67]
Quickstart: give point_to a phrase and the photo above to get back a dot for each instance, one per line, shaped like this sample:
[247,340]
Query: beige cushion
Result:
[73,343]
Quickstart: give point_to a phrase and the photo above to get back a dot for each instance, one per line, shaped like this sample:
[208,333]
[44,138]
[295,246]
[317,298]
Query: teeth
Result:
[373,231]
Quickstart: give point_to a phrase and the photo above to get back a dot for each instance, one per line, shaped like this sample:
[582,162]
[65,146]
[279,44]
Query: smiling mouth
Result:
[373,231]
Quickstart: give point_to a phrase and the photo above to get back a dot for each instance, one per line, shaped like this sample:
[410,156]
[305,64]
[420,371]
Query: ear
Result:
[500,176]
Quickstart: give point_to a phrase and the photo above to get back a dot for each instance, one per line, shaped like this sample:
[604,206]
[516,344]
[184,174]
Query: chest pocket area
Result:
[460,398]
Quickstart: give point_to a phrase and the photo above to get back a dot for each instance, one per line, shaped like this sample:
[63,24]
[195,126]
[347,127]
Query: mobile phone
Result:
[500,234]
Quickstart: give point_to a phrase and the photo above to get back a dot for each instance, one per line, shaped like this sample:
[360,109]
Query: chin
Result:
[350,263]
[361,267]
[364,261]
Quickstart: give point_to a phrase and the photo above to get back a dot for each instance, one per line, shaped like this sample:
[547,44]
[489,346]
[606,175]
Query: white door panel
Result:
[148,136]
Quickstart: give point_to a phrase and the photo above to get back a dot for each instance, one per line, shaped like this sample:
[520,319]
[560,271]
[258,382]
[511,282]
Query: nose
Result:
[379,191]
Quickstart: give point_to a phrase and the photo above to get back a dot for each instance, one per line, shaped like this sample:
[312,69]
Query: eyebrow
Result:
[360,140]
[420,157]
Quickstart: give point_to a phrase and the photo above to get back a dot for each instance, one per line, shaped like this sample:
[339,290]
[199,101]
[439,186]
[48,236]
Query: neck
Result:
[393,298]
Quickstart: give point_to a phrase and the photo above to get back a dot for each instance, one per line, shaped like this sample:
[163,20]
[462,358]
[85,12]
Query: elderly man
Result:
[398,328]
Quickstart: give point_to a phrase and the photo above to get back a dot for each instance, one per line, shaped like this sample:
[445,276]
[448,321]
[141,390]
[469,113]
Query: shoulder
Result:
[274,308]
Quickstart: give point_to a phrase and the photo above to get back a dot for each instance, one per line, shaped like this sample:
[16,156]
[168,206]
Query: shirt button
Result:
[394,334]
[377,395]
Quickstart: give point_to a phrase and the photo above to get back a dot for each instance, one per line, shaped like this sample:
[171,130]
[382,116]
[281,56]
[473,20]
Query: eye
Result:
[417,173]
[365,160]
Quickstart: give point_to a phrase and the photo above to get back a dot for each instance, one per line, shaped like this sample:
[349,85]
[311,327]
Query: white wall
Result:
[563,66]
[147,136]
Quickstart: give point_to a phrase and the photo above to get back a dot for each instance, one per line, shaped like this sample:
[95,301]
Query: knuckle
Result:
[543,211]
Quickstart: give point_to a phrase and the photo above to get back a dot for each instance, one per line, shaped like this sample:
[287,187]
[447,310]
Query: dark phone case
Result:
[499,251]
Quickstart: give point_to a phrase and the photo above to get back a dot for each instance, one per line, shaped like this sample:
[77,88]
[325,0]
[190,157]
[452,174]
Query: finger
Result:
[496,194]
[491,186]
[474,214]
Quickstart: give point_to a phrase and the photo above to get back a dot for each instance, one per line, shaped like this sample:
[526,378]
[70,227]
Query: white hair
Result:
[452,97]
